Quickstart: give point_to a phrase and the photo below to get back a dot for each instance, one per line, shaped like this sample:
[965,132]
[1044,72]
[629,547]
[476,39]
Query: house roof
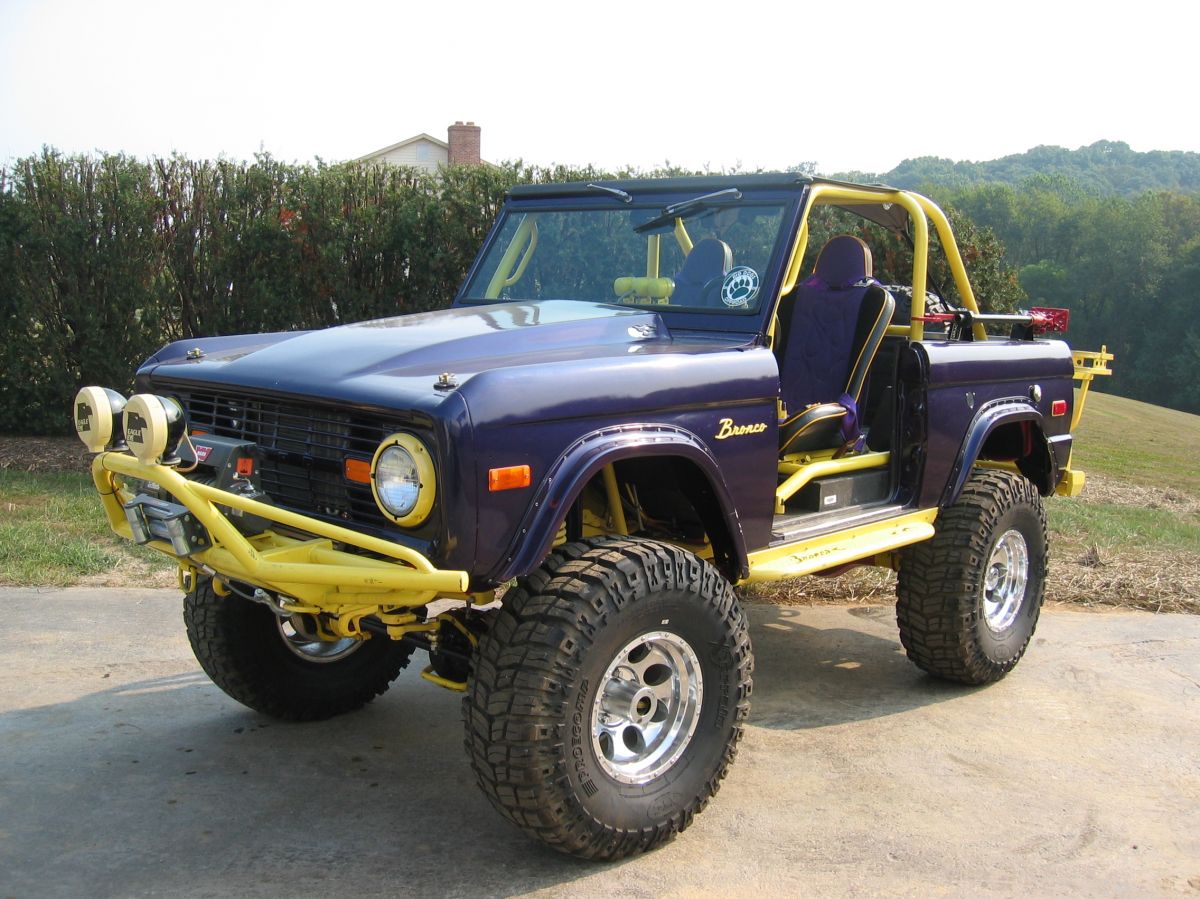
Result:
[405,143]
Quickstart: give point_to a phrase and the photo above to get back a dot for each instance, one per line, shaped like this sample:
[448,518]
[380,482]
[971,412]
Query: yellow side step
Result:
[831,550]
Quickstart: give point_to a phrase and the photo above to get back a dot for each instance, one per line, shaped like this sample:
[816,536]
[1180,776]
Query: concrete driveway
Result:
[123,771]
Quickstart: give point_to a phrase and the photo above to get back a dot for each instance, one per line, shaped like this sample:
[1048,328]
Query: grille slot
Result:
[303,448]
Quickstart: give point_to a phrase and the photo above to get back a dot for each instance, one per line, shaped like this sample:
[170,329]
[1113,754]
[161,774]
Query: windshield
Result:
[706,256]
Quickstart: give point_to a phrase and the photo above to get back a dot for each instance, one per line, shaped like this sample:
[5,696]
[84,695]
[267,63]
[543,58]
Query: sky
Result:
[743,83]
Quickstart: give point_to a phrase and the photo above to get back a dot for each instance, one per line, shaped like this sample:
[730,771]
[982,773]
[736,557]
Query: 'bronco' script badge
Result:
[729,429]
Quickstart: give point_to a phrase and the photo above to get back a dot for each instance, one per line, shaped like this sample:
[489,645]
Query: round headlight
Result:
[98,418]
[154,427]
[402,479]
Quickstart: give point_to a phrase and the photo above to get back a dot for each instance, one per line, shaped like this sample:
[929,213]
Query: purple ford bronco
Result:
[642,397]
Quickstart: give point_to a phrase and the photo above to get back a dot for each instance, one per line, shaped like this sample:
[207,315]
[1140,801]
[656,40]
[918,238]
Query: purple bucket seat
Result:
[837,320]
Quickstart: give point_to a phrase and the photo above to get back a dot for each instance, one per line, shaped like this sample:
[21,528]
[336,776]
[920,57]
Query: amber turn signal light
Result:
[358,471]
[511,478]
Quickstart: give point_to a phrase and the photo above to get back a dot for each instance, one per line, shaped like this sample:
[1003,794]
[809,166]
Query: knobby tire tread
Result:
[937,608]
[519,690]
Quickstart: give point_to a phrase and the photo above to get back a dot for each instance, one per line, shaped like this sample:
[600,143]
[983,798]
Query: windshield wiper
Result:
[619,194]
[686,208]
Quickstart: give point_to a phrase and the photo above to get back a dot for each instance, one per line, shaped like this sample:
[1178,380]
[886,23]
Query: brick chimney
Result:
[464,143]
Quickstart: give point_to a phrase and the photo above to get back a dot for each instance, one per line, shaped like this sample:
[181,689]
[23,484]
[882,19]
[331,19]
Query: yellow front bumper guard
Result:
[314,575]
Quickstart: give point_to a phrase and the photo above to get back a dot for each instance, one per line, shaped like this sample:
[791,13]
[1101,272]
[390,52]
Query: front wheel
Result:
[280,666]
[968,600]
[608,697]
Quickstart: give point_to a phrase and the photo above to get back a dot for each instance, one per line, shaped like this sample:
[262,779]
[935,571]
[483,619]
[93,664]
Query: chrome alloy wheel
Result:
[302,640]
[647,707]
[1005,580]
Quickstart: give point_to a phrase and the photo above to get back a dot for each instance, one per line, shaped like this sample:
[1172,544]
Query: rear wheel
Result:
[280,666]
[607,700]
[968,600]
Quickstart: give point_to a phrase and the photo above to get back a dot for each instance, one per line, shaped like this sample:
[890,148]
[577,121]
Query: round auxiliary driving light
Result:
[154,427]
[98,418]
[403,480]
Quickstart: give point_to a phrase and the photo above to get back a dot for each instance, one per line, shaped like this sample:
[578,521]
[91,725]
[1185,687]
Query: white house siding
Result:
[421,154]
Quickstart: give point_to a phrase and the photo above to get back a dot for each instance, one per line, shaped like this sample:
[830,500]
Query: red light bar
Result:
[1046,319]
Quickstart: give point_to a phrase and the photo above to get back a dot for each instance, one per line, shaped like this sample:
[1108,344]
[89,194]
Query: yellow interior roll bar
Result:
[525,240]
[920,211]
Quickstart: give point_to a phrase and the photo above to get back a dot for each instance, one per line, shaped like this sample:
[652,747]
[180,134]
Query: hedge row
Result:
[104,259]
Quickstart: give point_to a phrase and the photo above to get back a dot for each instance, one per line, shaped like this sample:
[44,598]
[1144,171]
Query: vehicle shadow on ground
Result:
[810,675]
[165,785]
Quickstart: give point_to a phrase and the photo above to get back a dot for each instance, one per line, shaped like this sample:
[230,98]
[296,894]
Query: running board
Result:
[831,550]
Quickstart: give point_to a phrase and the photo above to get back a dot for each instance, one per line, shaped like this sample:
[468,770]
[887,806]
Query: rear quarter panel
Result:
[962,377]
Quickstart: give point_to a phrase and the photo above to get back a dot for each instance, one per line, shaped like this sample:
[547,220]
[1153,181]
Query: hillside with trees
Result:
[1105,167]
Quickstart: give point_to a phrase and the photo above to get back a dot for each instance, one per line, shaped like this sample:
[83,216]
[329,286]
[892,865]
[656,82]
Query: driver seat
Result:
[839,318]
[710,258]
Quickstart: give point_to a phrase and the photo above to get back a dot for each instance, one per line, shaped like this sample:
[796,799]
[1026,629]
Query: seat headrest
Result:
[844,261]
[709,254]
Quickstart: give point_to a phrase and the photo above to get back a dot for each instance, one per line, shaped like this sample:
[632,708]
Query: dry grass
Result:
[1105,489]
[1093,568]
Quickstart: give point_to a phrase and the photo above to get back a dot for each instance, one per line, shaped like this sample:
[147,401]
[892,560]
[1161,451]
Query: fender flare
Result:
[989,417]
[582,461]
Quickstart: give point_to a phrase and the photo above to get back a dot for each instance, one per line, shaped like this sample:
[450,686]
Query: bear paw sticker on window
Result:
[739,287]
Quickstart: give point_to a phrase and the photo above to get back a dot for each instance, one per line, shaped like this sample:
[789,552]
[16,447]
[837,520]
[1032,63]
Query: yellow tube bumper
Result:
[310,569]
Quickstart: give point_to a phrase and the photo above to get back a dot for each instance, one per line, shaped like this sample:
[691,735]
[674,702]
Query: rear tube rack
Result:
[1088,365]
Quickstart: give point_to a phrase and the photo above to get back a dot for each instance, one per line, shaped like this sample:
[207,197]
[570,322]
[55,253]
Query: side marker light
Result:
[511,478]
[1058,407]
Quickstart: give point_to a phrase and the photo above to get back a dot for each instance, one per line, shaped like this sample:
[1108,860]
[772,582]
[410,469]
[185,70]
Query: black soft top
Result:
[785,180]
[882,213]
[702,183]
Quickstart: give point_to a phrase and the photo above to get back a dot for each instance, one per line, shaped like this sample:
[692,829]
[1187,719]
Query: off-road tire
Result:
[531,700]
[239,646]
[941,585]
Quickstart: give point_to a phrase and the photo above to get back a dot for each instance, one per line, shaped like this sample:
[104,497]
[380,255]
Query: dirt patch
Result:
[44,454]
[129,572]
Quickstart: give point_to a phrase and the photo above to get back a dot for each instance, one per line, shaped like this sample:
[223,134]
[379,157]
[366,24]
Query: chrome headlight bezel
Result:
[402,465]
